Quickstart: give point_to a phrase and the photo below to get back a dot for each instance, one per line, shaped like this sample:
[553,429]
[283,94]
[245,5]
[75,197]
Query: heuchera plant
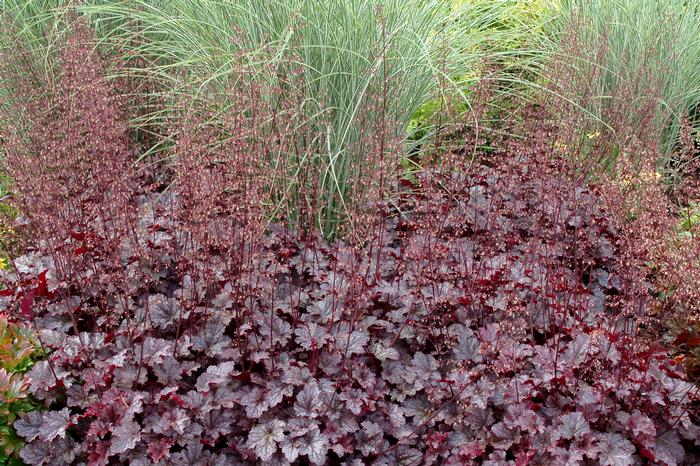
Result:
[484,318]
[463,347]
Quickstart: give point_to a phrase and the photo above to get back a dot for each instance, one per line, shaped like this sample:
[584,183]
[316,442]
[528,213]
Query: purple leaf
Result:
[211,338]
[577,351]
[171,421]
[677,389]
[468,347]
[370,438]
[223,300]
[159,449]
[255,402]
[54,424]
[276,392]
[639,424]
[297,376]
[314,445]
[308,401]
[217,375]
[36,453]
[354,400]
[41,378]
[154,351]
[311,335]
[29,425]
[125,437]
[218,422]
[290,450]
[164,311]
[275,328]
[668,449]
[615,450]
[264,438]
[383,353]
[171,370]
[424,364]
[573,426]
[195,455]
[354,343]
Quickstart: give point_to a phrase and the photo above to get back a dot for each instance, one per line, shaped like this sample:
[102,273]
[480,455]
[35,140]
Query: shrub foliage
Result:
[17,351]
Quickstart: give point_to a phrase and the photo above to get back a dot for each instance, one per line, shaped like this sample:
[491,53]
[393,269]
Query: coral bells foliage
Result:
[480,327]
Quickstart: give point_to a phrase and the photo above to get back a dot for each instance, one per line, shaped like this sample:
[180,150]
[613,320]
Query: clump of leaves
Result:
[17,353]
[17,346]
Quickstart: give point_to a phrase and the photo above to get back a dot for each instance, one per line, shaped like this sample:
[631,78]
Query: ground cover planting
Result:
[370,234]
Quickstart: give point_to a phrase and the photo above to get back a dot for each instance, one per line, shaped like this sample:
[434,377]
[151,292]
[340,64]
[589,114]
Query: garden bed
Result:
[483,325]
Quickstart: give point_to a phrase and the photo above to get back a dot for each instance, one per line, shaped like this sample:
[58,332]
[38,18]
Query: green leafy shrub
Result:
[17,354]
